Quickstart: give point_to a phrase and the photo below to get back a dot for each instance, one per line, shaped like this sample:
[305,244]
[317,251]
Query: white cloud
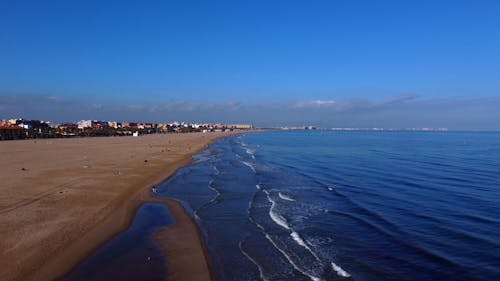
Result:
[315,103]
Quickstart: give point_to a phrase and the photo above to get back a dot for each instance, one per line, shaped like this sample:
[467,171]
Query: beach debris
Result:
[146,161]
[23,169]
[86,166]
[118,173]
[153,189]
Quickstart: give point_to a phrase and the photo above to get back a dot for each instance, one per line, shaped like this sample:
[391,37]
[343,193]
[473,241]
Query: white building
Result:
[84,124]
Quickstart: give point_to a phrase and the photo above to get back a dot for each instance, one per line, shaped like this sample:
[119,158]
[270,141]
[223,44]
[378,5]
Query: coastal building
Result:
[68,129]
[240,126]
[99,124]
[12,132]
[82,124]
[129,125]
[113,124]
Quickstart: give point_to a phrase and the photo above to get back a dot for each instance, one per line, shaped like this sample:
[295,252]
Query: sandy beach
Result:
[60,199]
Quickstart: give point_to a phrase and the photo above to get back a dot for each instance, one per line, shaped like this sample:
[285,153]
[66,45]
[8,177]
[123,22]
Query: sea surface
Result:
[325,205]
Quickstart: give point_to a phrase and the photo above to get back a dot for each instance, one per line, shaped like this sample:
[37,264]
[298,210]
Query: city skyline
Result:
[333,64]
[356,113]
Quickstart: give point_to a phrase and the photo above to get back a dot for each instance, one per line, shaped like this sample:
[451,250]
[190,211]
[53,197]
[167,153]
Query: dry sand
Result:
[62,198]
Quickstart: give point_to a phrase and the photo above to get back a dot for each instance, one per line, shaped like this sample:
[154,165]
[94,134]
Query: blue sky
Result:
[324,61]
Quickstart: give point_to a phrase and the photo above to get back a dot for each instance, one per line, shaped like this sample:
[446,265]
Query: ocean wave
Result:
[275,216]
[212,201]
[217,172]
[250,165]
[278,219]
[283,252]
[261,270]
[248,150]
[340,272]
[217,192]
[285,197]
[281,221]
[303,243]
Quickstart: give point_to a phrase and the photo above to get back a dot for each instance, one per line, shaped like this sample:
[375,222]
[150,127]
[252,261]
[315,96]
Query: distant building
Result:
[129,125]
[113,124]
[240,126]
[12,132]
[99,124]
[85,124]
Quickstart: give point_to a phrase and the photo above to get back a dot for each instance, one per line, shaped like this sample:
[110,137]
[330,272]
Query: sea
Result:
[347,205]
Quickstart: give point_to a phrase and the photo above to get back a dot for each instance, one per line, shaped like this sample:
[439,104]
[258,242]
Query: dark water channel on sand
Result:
[132,254]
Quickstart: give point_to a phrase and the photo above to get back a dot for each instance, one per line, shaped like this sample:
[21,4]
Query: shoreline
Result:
[65,245]
[183,245]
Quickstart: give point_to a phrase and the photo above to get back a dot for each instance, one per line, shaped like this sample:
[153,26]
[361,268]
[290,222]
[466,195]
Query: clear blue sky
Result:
[257,53]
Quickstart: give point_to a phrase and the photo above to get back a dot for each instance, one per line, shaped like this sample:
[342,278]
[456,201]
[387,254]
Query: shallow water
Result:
[315,205]
[132,254]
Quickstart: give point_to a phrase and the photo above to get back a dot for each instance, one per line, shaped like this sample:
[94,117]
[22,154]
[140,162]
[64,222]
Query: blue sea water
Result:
[325,205]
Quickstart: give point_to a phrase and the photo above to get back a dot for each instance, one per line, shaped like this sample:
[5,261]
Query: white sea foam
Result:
[196,216]
[210,185]
[303,243]
[281,221]
[314,278]
[275,216]
[250,165]
[330,188]
[216,170]
[250,152]
[261,272]
[298,239]
[258,186]
[214,189]
[289,259]
[285,197]
[340,271]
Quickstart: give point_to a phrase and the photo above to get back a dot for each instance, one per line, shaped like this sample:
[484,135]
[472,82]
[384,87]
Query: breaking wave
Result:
[275,216]
[285,197]
[250,165]
[340,271]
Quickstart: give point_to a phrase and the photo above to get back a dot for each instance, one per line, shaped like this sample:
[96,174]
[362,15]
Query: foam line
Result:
[313,278]
[285,197]
[249,165]
[303,243]
[217,172]
[261,272]
[275,216]
[340,271]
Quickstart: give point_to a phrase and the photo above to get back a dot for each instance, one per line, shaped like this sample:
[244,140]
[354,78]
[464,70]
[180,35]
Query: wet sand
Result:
[60,199]
[177,241]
